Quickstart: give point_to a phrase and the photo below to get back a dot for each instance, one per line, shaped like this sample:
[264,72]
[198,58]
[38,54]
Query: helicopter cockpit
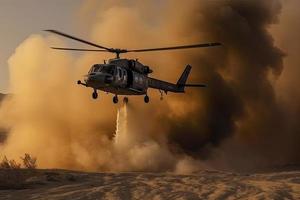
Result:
[100,74]
[106,69]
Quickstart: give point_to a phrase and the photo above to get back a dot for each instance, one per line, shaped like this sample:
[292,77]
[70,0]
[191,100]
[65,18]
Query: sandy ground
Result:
[60,184]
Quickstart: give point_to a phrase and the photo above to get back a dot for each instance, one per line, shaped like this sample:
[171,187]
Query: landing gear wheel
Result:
[146,99]
[125,100]
[95,95]
[115,99]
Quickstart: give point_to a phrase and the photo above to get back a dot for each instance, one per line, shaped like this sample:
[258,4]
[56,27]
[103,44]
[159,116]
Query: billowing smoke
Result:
[240,99]
[245,119]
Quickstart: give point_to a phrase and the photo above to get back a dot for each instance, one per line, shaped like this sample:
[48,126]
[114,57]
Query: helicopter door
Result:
[129,78]
[119,73]
[121,77]
[125,76]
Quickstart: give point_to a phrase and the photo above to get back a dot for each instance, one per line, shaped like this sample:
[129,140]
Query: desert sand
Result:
[61,184]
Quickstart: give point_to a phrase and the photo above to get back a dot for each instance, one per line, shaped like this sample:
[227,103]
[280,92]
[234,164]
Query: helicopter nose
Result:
[91,80]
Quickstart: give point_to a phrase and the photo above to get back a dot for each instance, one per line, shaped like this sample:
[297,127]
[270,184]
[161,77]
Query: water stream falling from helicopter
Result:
[121,134]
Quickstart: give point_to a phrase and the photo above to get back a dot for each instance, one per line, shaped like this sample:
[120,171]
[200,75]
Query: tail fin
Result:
[183,78]
[181,83]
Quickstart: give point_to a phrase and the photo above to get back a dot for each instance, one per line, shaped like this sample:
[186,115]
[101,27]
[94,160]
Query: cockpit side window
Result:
[108,69]
[97,68]
[111,70]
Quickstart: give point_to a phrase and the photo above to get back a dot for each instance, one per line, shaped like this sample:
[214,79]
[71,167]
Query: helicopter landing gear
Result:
[78,82]
[125,100]
[115,99]
[95,94]
[146,99]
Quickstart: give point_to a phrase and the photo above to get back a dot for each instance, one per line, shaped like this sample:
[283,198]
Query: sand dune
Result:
[60,184]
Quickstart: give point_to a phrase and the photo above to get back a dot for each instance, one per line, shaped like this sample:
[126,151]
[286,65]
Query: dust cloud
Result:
[245,119]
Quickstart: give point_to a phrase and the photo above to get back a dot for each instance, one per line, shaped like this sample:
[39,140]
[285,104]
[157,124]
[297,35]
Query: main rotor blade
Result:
[177,47]
[77,39]
[72,49]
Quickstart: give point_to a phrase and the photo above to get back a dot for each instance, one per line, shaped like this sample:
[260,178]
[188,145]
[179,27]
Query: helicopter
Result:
[121,76]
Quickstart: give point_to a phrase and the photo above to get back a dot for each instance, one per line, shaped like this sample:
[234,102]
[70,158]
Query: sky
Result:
[19,19]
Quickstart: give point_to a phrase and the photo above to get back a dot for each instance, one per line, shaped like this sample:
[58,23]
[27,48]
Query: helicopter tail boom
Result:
[178,87]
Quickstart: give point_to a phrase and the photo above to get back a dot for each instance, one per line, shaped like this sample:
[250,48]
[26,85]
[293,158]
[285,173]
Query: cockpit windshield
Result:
[96,68]
[109,69]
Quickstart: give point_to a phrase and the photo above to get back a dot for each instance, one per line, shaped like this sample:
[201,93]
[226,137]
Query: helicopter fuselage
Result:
[130,77]
[120,77]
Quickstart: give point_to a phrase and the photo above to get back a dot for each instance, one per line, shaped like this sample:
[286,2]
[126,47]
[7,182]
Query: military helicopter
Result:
[121,76]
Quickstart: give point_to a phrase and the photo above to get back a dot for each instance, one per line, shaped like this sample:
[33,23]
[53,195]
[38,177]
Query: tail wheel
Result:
[95,95]
[115,99]
[146,99]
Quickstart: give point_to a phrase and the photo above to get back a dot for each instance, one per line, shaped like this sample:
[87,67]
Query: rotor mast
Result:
[118,52]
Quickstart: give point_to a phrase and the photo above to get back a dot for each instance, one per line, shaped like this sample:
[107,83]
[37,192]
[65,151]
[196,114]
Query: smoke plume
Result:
[245,119]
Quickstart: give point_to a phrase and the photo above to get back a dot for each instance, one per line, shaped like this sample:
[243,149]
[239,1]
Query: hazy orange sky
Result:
[19,19]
